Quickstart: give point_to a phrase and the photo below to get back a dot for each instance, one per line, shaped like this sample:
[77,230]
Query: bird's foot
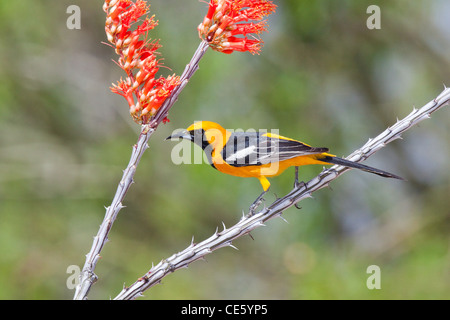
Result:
[256,204]
[298,184]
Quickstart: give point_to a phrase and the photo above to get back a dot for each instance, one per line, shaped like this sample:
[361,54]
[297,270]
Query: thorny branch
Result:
[87,276]
[224,238]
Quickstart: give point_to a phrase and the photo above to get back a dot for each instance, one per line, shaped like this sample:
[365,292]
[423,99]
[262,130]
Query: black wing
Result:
[255,148]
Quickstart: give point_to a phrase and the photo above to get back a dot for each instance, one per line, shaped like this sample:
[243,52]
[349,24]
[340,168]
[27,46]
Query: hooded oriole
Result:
[260,154]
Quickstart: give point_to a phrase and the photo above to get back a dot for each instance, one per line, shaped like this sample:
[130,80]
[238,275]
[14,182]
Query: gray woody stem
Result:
[87,276]
[246,224]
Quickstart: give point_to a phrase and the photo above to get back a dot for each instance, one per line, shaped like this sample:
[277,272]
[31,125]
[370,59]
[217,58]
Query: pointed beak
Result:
[180,135]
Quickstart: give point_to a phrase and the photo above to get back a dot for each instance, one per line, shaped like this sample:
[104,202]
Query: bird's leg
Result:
[297,184]
[255,204]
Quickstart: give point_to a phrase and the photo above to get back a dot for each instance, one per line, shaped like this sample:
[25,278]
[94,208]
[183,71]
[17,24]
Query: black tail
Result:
[356,165]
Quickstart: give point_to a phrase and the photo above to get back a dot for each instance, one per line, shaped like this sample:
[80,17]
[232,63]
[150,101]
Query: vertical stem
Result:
[188,72]
[87,276]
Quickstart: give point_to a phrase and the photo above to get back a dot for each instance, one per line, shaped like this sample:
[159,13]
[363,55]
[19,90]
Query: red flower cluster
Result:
[227,19]
[137,57]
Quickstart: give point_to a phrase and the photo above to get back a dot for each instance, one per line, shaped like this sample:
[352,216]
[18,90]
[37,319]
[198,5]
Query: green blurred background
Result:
[322,77]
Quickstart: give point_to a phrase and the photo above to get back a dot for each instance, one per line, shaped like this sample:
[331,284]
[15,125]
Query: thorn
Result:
[297,206]
[224,228]
[251,236]
[230,245]
[282,218]
[192,241]
[261,224]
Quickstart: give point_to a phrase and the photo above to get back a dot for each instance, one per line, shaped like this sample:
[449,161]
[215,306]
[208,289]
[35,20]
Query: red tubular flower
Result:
[227,19]
[161,91]
[137,57]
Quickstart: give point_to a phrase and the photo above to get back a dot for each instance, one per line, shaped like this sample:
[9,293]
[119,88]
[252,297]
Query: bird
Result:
[260,154]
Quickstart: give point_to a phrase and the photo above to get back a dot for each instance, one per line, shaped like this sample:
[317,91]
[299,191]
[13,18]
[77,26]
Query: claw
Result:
[255,204]
[299,185]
